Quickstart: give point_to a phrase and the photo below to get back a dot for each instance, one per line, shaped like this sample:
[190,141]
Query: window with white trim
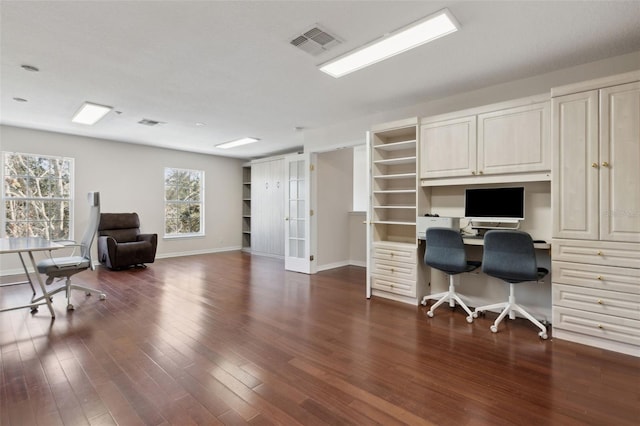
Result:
[37,196]
[183,202]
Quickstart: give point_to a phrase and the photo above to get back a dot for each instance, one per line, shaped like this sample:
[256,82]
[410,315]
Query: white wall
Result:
[130,178]
[334,200]
[351,133]
[360,177]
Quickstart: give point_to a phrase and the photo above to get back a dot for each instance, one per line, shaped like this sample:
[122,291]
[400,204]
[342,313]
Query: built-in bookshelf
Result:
[246,207]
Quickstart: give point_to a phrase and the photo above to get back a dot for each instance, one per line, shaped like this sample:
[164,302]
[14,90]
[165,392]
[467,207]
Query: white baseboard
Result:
[360,263]
[20,271]
[196,252]
[333,265]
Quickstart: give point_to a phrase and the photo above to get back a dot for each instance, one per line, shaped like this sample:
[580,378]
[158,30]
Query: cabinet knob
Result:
[286,218]
[480,172]
[392,254]
[599,277]
[600,326]
[473,172]
[594,165]
[600,302]
[393,270]
[605,164]
[599,253]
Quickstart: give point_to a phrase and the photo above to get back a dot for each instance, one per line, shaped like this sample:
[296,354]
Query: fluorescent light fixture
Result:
[237,142]
[90,113]
[423,31]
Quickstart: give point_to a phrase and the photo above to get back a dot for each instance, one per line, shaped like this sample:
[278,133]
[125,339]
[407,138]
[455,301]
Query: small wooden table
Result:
[29,245]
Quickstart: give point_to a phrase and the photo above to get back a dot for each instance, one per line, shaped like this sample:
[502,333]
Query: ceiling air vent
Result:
[315,41]
[148,122]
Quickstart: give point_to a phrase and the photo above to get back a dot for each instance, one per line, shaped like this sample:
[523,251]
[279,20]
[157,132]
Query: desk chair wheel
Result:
[430,314]
[103,296]
[70,307]
[543,335]
[470,319]
[34,310]
[494,329]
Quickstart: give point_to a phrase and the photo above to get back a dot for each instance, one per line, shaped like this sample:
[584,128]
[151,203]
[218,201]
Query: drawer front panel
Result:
[603,326]
[395,270]
[606,253]
[611,278]
[599,301]
[395,253]
[390,285]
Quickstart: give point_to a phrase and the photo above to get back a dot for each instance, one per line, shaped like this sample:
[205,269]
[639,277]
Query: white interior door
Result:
[297,255]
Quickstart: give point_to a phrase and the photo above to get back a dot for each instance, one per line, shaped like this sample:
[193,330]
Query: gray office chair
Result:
[445,251]
[510,256]
[65,267]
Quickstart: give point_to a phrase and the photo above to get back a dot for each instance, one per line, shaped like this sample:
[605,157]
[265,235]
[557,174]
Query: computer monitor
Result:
[499,205]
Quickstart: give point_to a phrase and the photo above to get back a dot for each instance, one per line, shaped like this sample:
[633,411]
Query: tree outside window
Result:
[184,202]
[37,196]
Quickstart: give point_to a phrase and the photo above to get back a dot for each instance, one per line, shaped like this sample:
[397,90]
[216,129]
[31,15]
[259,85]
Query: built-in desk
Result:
[479,241]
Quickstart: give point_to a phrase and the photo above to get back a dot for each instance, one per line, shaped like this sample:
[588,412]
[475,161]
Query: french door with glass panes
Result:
[297,255]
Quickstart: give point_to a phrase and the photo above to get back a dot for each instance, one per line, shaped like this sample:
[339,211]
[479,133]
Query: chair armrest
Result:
[152,238]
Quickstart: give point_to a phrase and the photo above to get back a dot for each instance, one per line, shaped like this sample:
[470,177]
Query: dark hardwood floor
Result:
[234,339]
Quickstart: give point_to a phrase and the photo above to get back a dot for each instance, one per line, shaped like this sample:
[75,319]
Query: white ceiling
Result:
[230,65]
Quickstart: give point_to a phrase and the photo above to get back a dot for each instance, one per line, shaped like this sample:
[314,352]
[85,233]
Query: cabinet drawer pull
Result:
[393,270]
[600,326]
[481,172]
[392,254]
[600,302]
[599,253]
[594,165]
[599,277]
[605,164]
[473,173]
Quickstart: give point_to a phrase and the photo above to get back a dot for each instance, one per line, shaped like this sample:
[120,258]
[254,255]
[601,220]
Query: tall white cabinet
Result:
[596,213]
[267,207]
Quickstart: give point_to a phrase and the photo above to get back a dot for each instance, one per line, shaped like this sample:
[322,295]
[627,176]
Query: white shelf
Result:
[396,176]
[394,207]
[395,191]
[395,161]
[393,222]
[396,146]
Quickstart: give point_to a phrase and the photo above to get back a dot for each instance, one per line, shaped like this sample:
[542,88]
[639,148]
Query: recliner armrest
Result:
[152,238]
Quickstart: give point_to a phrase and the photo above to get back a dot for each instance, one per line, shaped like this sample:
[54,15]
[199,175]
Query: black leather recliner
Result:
[120,243]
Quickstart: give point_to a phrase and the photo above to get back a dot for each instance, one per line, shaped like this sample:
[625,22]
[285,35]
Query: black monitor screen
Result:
[494,203]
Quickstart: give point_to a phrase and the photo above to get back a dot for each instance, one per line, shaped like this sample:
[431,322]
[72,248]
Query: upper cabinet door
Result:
[448,148]
[575,166]
[514,140]
[620,163]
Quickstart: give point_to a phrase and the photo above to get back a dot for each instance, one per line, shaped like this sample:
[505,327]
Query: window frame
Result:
[4,198]
[201,204]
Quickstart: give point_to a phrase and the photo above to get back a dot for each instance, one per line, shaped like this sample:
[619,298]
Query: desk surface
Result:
[25,244]
[479,241]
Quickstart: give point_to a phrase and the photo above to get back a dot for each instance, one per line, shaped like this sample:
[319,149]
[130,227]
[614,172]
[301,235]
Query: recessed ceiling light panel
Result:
[428,29]
[237,142]
[90,113]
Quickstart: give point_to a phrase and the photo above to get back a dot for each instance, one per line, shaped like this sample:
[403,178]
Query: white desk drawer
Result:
[606,253]
[604,326]
[397,286]
[395,270]
[611,278]
[396,253]
[599,301]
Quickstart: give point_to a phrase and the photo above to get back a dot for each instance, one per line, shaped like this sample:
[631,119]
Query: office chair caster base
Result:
[430,314]
[34,310]
[470,319]
[543,335]
[103,296]
[70,307]
[493,329]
